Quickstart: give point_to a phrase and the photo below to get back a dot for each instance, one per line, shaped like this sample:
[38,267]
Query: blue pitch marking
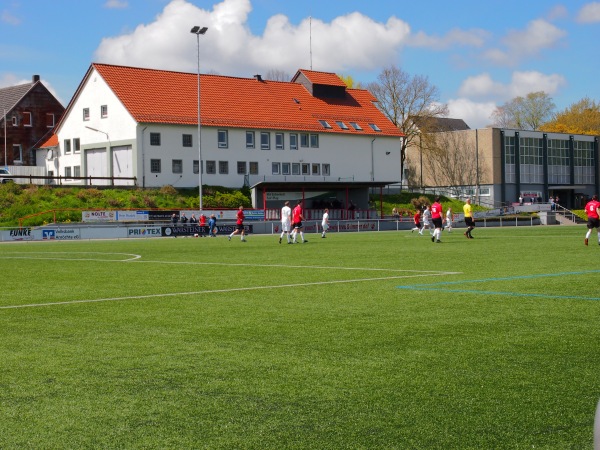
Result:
[431,287]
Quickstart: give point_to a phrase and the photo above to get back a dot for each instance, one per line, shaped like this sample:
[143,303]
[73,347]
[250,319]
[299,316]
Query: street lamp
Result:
[198,31]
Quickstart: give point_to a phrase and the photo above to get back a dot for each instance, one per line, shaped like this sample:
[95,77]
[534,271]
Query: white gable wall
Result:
[115,130]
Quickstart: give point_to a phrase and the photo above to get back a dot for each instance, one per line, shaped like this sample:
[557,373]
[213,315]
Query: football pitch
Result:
[357,341]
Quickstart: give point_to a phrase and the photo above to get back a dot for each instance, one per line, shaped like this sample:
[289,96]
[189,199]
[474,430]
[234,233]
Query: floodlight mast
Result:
[199,31]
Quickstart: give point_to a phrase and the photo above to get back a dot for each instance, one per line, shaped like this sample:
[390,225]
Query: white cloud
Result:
[475,114]
[519,44]
[589,13]
[483,87]
[116,4]
[350,41]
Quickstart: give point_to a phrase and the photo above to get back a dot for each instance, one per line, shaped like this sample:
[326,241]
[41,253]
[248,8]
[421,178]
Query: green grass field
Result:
[357,341]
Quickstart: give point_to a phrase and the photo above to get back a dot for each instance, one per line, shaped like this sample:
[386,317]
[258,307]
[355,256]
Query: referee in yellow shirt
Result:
[469,221]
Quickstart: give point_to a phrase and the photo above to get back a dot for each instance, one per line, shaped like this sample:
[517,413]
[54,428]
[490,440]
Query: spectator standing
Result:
[184,219]
[592,209]
[202,220]
[193,220]
[174,219]
[212,226]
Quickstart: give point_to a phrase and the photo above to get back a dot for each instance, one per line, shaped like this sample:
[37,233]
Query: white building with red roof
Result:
[136,123]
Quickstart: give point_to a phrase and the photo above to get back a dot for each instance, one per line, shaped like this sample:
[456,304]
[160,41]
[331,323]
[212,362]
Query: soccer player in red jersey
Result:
[297,219]
[592,209]
[437,219]
[239,224]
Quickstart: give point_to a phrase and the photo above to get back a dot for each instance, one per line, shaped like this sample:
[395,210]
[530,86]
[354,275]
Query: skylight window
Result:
[324,123]
[356,126]
[341,124]
[374,127]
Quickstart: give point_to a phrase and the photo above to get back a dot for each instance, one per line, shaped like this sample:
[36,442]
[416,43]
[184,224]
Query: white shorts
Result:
[325,226]
[286,226]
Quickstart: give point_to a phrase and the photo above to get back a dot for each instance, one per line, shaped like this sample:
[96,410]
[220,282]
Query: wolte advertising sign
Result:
[191,230]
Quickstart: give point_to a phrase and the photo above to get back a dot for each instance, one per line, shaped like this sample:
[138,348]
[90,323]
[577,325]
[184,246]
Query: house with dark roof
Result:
[29,112]
[129,122]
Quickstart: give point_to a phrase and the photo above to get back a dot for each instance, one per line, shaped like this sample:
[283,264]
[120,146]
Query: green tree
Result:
[582,117]
[524,113]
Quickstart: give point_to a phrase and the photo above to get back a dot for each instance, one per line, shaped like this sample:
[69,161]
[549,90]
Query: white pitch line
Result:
[26,255]
[136,258]
[220,291]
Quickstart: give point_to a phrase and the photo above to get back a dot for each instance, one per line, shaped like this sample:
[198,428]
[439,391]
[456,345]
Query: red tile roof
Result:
[158,96]
[326,78]
[52,141]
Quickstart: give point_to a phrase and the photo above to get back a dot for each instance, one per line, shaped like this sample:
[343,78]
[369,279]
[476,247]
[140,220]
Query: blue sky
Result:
[478,54]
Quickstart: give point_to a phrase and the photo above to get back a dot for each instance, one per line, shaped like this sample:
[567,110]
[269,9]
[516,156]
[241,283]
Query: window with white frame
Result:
[253,168]
[104,111]
[293,141]
[196,166]
[211,167]
[303,139]
[326,169]
[241,167]
[155,166]
[356,126]
[68,172]
[76,145]
[279,141]
[76,171]
[286,168]
[49,120]
[374,127]
[305,169]
[186,140]
[265,140]
[295,168]
[341,124]
[223,167]
[314,141]
[15,120]
[324,124]
[276,168]
[177,166]
[67,146]
[316,169]
[222,138]
[86,114]
[250,139]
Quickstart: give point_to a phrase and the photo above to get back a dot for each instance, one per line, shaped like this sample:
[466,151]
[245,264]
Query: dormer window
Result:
[324,123]
[356,126]
[341,124]
[374,127]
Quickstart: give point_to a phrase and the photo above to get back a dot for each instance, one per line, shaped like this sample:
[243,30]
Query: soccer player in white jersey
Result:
[449,217]
[286,222]
[325,222]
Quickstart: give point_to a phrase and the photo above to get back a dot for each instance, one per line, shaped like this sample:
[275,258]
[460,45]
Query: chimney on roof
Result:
[35,78]
[258,77]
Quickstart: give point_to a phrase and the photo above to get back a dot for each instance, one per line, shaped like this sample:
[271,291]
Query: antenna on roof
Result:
[310,39]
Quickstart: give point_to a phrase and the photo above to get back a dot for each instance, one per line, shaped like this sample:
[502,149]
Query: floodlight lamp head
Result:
[198,30]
